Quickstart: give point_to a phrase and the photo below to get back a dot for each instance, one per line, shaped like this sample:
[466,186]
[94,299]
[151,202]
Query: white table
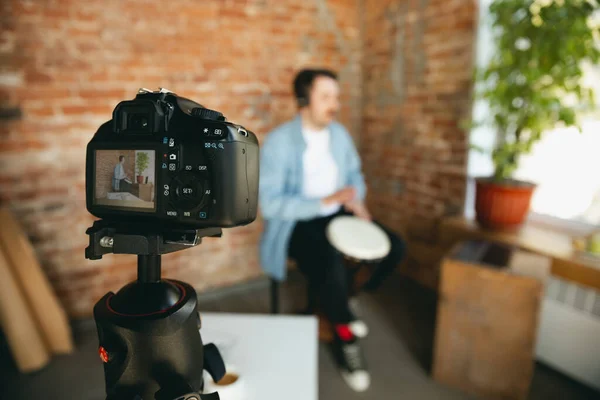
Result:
[277,356]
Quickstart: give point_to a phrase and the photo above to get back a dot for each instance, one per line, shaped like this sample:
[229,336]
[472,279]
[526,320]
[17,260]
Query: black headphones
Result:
[304,80]
[302,101]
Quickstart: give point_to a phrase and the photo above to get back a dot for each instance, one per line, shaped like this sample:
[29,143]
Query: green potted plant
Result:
[142,160]
[531,83]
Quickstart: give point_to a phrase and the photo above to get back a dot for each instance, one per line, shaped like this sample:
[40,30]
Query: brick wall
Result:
[417,73]
[66,64]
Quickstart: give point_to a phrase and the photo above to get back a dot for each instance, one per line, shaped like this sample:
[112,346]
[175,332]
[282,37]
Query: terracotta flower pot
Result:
[140,179]
[502,205]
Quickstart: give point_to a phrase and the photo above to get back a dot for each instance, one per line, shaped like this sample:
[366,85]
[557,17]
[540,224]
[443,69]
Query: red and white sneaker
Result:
[359,328]
[350,359]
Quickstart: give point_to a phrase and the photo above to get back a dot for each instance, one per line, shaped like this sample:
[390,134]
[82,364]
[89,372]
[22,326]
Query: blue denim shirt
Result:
[280,189]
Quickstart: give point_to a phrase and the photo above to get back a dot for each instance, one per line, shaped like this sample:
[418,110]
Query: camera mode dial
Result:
[207,113]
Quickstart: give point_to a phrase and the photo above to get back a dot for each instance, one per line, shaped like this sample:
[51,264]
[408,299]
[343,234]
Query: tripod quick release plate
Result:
[141,239]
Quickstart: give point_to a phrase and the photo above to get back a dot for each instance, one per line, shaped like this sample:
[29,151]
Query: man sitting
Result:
[310,173]
[120,180]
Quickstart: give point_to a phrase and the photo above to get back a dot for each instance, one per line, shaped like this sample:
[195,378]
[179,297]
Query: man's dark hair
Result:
[121,158]
[304,80]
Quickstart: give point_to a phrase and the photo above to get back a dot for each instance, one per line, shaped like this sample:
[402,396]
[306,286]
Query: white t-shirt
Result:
[320,170]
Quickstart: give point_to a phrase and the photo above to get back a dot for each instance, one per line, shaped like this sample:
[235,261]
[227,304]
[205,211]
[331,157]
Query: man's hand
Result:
[342,196]
[358,208]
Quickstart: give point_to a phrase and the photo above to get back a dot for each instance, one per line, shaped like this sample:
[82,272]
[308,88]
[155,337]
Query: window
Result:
[565,164]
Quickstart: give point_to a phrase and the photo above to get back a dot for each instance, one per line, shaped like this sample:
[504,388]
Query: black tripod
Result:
[149,330]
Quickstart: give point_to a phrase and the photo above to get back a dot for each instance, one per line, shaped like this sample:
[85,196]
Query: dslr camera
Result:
[167,160]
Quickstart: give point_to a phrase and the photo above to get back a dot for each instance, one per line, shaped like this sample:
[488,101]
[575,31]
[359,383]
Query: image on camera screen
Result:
[125,179]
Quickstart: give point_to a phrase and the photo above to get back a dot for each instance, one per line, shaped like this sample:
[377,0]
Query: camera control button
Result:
[188,192]
[202,215]
[171,213]
[172,167]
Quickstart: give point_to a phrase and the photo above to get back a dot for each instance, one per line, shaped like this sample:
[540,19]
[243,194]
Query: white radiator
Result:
[569,331]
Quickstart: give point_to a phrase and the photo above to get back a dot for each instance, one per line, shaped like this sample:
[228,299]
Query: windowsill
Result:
[551,242]
[567,227]
[546,234]
[555,243]
[559,225]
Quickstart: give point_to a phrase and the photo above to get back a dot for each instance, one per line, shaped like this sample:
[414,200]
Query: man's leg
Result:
[389,263]
[125,186]
[323,267]
[325,270]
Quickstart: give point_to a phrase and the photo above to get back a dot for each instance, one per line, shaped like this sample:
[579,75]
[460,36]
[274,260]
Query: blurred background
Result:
[405,85]
[406,69]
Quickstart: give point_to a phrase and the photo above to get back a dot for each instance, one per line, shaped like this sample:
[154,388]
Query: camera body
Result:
[166,160]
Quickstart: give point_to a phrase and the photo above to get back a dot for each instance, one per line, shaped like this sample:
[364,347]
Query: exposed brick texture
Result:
[66,64]
[417,68]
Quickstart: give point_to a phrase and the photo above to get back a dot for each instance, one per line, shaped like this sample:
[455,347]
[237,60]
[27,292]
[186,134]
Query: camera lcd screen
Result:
[125,179]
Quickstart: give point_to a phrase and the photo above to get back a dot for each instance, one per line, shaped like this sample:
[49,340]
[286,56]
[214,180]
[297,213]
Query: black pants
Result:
[324,268]
[124,186]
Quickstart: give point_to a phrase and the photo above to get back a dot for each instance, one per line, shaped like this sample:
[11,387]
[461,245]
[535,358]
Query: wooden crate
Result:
[490,296]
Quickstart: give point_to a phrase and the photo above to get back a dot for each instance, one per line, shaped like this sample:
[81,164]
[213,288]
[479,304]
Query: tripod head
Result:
[148,331]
